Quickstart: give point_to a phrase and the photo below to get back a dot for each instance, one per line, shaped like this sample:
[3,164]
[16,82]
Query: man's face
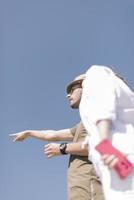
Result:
[75,96]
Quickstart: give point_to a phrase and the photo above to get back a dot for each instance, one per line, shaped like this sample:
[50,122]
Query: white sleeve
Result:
[100,95]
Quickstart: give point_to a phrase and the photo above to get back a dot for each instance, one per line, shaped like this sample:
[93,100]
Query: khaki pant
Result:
[86,189]
[90,190]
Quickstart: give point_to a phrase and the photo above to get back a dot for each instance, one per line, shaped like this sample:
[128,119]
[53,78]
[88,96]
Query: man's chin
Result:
[74,106]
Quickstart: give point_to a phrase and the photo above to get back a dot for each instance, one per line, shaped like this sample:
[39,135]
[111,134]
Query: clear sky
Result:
[45,43]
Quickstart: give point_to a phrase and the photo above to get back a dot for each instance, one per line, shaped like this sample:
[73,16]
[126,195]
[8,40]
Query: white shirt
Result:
[105,96]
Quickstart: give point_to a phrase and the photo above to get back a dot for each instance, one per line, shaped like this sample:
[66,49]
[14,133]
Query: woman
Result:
[107,112]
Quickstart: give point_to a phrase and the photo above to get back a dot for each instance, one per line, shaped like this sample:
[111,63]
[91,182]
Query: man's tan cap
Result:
[77,80]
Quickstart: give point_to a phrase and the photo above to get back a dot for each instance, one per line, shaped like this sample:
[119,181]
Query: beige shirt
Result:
[79,166]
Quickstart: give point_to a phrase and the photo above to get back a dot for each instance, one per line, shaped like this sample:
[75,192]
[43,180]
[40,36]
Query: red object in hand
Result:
[123,167]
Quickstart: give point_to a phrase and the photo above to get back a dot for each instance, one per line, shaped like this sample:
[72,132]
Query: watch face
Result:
[63,148]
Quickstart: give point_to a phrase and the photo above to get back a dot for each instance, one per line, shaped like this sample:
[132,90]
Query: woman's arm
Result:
[104,130]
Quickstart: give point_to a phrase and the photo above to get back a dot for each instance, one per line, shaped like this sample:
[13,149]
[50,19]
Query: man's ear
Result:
[82,84]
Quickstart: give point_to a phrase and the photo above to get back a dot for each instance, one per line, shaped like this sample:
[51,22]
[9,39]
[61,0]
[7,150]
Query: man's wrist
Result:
[62,148]
[29,133]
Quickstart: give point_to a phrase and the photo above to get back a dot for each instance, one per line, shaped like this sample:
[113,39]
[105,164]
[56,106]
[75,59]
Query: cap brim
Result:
[69,87]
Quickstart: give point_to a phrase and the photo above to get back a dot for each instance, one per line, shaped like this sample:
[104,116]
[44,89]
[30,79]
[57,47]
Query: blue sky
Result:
[45,43]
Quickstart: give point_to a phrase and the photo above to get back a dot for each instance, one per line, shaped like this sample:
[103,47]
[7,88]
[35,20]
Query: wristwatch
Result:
[63,147]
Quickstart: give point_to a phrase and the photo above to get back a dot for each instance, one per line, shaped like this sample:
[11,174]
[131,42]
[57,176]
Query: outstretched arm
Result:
[53,149]
[47,135]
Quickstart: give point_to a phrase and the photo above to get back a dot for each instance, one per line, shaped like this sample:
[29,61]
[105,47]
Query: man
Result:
[83,183]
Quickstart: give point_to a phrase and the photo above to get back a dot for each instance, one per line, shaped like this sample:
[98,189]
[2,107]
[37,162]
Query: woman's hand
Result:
[109,160]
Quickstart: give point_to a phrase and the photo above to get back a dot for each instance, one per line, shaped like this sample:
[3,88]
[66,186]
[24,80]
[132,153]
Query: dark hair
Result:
[119,76]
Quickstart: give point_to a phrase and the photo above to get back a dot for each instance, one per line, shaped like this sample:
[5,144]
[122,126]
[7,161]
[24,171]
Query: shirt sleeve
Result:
[73,130]
[99,93]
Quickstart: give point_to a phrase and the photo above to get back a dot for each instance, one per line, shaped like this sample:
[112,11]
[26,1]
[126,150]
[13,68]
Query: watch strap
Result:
[63,147]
